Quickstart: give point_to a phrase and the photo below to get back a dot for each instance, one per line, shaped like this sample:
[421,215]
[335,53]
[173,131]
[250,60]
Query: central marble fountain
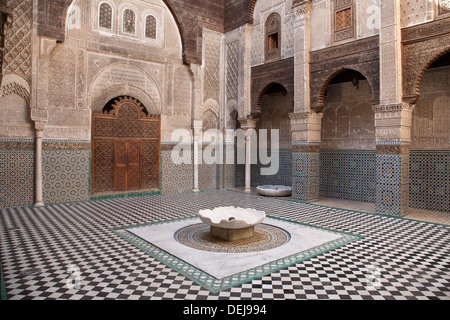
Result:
[231,223]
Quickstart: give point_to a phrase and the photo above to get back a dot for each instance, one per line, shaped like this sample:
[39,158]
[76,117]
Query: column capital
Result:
[393,123]
[306,127]
[248,123]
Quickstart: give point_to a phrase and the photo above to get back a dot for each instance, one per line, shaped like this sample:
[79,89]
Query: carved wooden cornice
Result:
[425,31]
[344,50]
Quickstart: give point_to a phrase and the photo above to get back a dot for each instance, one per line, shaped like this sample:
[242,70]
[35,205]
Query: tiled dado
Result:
[430,180]
[348,175]
[175,178]
[17,183]
[65,171]
[208,176]
[392,184]
[17,168]
[305,176]
[282,177]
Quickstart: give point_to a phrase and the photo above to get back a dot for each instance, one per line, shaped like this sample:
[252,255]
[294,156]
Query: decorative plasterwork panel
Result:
[18,39]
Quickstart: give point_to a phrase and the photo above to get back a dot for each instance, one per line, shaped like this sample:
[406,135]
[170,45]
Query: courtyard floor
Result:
[71,252]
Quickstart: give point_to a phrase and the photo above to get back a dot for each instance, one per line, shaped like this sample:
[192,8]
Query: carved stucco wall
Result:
[348,121]
[431,130]
[275,110]
[416,11]
[212,81]
[367,21]
[263,9]
[15,91]
[99,66]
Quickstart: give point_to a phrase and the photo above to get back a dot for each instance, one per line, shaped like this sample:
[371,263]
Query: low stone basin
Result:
[231,223]
[274,191]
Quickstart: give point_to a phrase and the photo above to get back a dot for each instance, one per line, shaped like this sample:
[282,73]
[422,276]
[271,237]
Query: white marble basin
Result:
[232,217]
[274,191]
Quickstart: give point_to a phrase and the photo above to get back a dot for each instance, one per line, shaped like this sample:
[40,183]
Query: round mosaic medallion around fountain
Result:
[198,236]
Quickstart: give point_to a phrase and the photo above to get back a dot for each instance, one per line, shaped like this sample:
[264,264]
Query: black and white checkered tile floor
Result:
[397,259]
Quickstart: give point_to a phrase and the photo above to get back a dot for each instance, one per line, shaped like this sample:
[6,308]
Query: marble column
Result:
[197,132]
[248,125]
[39,126]
[393,118]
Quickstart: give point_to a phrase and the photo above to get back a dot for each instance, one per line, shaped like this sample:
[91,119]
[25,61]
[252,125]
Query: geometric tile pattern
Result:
[240,175]
[348,175]
[282,177]
[392,192]
[208,176]
[214,284]
[305,176]
[175,178]
[16,178]
[430,181]
[65,176]
[397,259]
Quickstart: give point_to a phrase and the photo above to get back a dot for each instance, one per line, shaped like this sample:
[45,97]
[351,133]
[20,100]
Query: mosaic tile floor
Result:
[71,252]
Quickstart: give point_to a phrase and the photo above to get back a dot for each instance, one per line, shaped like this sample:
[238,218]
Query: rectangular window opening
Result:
[273,41]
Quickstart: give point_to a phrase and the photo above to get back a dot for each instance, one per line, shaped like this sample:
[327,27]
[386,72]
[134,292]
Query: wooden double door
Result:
[127,167]
[126,149]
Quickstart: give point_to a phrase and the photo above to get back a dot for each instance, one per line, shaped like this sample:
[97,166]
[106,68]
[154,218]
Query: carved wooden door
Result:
[125,149]
[127,165]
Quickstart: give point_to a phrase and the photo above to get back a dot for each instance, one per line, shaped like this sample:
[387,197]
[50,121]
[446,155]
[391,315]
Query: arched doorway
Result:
[274,108]
[430,158]
[348,148]
[125,148]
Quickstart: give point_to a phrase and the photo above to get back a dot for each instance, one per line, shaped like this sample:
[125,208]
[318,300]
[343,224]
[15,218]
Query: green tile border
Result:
[3,295]
[216,285]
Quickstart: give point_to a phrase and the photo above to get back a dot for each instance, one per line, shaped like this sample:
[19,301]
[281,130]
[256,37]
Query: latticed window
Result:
[343,20]
[444,6]
[129,21]
[150,27]
[105,16]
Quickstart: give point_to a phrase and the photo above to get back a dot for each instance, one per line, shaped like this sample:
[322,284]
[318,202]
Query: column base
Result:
[39,204]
